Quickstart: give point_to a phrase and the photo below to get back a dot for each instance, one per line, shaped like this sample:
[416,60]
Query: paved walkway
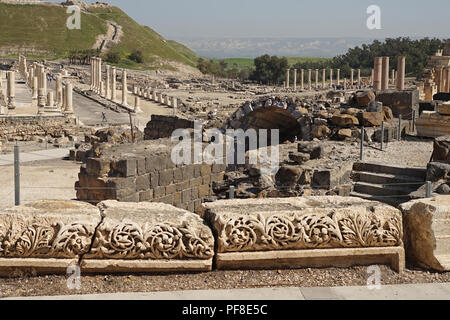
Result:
[8,159]
[434,291]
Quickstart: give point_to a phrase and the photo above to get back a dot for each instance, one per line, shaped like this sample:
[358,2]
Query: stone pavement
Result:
[433,291]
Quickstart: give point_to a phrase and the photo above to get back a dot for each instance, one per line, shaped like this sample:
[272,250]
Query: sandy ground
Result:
[327,277]
[50,180]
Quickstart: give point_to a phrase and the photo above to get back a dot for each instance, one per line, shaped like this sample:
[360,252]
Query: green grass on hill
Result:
[241,63]
[43,28]
[185,51]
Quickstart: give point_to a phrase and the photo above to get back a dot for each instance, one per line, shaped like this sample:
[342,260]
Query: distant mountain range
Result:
[254,47]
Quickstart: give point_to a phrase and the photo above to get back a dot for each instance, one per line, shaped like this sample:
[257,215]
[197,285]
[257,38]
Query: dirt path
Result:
[113,36]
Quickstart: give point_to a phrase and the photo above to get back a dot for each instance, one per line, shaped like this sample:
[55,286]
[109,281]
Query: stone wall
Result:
[145,172]
[401,102]
[162,126]
[25,128]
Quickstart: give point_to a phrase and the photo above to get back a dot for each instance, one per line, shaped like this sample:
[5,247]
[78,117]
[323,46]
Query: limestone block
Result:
[344,120]
[433,124]
[372,119]
[444,109]
[303,223]
[441,149]
[50,229]
[150,231]
[427,232]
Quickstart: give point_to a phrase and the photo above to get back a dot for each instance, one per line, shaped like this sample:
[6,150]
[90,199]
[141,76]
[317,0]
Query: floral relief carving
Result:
[307,231]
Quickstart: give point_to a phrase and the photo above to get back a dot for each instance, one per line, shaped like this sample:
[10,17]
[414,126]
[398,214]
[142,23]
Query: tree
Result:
[113,57]
[137,56]
[269,70]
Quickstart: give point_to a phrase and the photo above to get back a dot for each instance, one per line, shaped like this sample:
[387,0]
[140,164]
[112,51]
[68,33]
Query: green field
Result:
[42,29]
[241,63]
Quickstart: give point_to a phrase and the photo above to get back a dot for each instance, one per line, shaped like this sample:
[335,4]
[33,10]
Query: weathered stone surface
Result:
[444,109]
[50,229]
[388,115]
[150,231]
[344,120]
[363,98]
[372,119]
[441,152]
[320,131]
[433,124]
[344,133]
[427,232]
[303,223]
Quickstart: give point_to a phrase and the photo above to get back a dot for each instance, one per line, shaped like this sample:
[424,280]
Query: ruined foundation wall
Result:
[146,175]
[162,126]
[24,128]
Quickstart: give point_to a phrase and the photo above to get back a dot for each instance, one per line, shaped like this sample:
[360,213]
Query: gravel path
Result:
[328,277]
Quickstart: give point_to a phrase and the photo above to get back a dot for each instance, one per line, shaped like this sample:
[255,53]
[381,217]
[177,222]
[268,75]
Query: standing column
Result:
[377,74]
[94,74]
[108,84]
[11,90]
[41,101]
[351,78]
[124,88]
[295,79]
[385,74]
[324,73]
[338,77]
[302,77]
[331,78]
[34,97]
[113,84]
[287,77]
[309,79]
[100,78]
[448,79]
[393,76]
[401,69]
[69,99]
[359,77]
[317,78]
[58,90]
[91,60]
[50,101]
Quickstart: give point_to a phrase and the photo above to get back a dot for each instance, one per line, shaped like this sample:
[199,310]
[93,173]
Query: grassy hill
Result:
[42,29]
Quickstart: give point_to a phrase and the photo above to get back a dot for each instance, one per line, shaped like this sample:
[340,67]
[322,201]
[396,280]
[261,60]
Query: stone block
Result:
[188,172]
[259,231]
[166,177]
[171,189]
[154,179]
[427,232]
[97,167]
[186,195]
[204,190]
[205,170]
[143,182]
[195,182]
[48,229]
[159,192]
[125,167]
[146,195]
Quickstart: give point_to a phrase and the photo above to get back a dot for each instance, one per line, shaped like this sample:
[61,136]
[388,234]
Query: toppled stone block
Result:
[427,232]
[344,120]
[292,232]
[363,98]
[441,151]
[48,229]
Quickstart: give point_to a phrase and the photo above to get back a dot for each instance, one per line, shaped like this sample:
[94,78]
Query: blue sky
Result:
[288,18]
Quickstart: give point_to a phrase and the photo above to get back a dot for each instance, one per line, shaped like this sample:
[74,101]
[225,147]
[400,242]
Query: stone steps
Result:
[386,183]
[384,178]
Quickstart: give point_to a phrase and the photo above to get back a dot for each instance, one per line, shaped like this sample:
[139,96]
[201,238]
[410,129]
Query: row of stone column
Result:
[148,94]
[107,88]
[323,85]
[381,73]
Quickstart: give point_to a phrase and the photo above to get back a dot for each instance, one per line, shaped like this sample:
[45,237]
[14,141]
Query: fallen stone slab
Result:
[49,229]
[307,231]
[47,237]
[427,230]
[150,231]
